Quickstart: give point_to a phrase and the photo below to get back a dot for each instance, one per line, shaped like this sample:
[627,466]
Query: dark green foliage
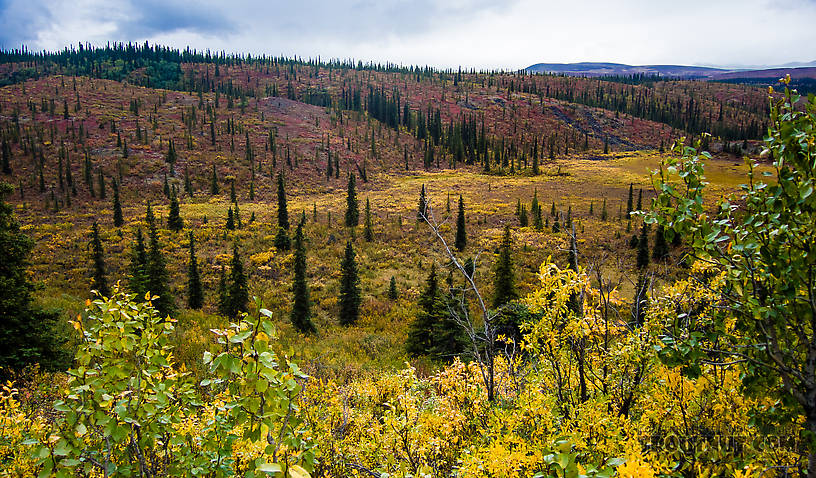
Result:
[524,221]
[640,200]
[214,189]
[174,220]
[504,281]
[461,234]
[237,293]
[282,241]
[188,183]
[368,232]
[100,280]
[230,225]
[352,211]
[28,334]
[423,205]
[419,340]
[102,188]
[661,248]
[604,215]
[137,280]
[157,278]
[5,150]
[629,201]
[643,248]
[301,315]
[233,198]
[117,206]
[349,289]
[575,303]
[393,294]
[195,294]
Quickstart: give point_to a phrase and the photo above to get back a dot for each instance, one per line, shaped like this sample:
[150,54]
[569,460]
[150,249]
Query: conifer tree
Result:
[100,281]
[524,221]
[237,291]
[423,205]
[301,315]
[223,294]
[349,289]
[368,233]
[504,281]
[643,248]
[6,152]
[137,280]
[28,334]
[282,241]
[661,248]
[117,206]
[233,197]
[352,211]
[393,294]
[195,294]
[174,220]
[604,214]
[230,225]
[640,200]
[420,338]
[214,182]
[101,182]
[630,202]
[188,183]
[461,234]
[156,269]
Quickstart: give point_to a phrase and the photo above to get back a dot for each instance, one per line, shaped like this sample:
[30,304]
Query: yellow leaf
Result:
[297,472]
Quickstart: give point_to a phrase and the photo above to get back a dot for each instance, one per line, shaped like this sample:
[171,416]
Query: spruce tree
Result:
[423,205]
[157,278]
[301,315]
[117,206]
[28,334]
[630,201]
[188,183]
[174,221]
[504,282]
[214,189]
[100,280]
[643,248]
[6,152]
[461,234]
[137,280]
[420,338]
[349,289]
[237,291]
[393,294]
[102,188]
[604,214]
[230,225]
[640,200]
[661,248]
[368,233]
[282,241]
[223,294]
[352,211]
[195,294]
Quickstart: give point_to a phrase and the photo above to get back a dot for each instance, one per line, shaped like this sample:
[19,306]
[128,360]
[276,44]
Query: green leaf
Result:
[297,472]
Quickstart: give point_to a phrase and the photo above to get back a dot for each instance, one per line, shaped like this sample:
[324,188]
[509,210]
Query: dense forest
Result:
[216,264]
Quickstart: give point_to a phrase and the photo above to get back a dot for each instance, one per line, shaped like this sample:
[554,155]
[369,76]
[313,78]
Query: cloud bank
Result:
[473,33]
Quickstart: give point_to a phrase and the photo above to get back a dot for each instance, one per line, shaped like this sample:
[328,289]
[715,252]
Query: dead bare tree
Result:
[481,336]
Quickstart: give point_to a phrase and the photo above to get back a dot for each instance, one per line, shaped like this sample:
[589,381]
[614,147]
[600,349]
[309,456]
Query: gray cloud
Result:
[480,33]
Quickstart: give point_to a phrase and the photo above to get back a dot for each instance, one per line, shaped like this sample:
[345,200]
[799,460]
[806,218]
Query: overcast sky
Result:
[506,34]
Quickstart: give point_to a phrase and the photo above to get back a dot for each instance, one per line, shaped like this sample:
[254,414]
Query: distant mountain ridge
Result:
[796,70]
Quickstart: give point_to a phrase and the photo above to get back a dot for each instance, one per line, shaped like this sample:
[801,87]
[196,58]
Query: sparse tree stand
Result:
[461,234]
[100,281]
[349,289]
[282,241]
[301,315]
[423,205]
[352,210]
[504,281]
[195,295]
